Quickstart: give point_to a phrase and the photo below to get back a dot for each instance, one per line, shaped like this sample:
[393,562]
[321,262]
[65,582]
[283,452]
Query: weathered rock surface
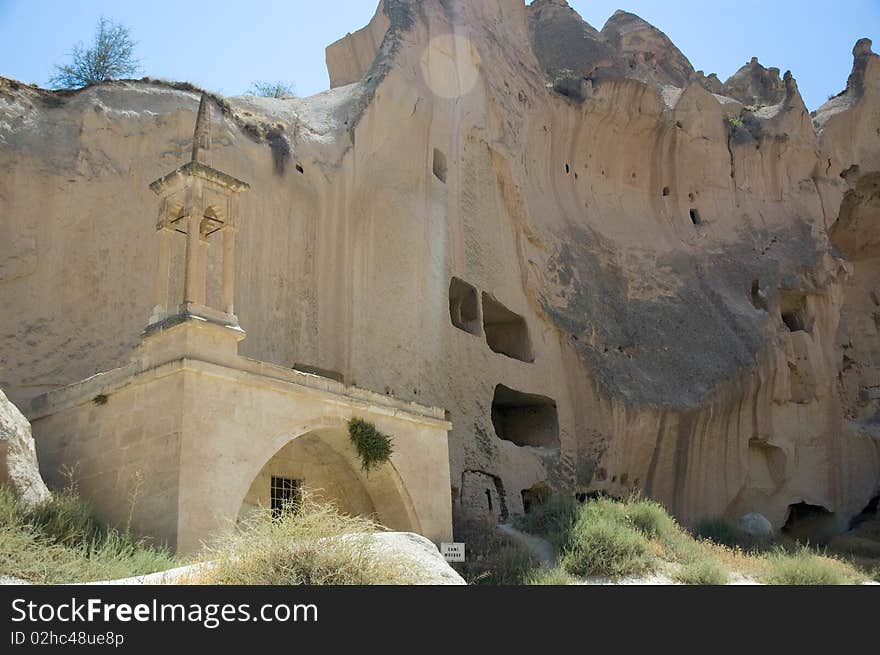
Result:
[18,457]
[615,272]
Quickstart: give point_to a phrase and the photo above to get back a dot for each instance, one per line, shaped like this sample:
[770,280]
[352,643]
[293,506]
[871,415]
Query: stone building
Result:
[189,435]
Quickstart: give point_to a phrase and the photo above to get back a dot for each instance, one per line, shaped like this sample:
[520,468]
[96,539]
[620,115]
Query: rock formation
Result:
[18,457]
[617,274]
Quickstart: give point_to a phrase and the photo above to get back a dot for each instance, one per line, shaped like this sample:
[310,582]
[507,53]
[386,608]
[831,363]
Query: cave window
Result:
[464,306]
[695,217]
[793,311]
[525,419]
[666,191]
[506,332]
[489,500]
[299,169]
[527,498]
[284,493]
[440,168]
[567,169]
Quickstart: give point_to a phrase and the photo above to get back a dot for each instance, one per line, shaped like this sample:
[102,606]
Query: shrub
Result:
[373,447]
[552,519]
[651,518]
[556,577]
[720,531]
[604,542]
[803,567]
[313,544]
[702,572]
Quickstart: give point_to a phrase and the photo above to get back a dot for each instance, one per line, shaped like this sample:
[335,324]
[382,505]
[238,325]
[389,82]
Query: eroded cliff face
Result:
[617,273]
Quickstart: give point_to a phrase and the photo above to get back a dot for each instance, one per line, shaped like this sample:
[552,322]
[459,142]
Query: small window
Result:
[440,168]
[567,169]
[464,306]
[489,500]
[665,191]
[794,312]
[284,494]
[506,332]
[695,217]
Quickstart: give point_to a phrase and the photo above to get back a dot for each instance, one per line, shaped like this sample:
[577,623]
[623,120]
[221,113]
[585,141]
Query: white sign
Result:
[452,552]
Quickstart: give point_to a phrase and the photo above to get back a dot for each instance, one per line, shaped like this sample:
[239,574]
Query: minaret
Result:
[197,201]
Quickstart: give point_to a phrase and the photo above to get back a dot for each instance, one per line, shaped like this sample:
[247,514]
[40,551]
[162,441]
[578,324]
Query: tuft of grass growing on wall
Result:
[60,541]
[312,543]
[373,447]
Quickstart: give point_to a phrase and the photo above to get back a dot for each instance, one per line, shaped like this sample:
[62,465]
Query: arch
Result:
[318,453]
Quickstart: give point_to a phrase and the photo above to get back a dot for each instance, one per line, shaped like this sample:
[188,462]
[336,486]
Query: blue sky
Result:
[224,45]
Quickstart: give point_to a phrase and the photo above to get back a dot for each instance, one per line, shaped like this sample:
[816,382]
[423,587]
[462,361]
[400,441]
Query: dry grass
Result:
[493,558]
[314,544]
[60,541]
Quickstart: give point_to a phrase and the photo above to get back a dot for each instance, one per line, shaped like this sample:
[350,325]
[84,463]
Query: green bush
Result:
[720,531]
[803,567]
[373,447]
[604,542]
[556,577]
[651,518]
[702,572]
[552,519]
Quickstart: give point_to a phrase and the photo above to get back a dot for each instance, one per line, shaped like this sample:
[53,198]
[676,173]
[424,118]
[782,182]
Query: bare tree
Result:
[110,57]
[277,89]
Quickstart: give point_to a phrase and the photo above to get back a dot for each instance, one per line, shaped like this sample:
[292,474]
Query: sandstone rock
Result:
[18,457]
[690,280]
[755,524]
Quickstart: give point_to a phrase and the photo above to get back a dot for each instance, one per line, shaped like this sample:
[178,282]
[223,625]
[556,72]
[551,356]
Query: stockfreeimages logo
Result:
[208,615]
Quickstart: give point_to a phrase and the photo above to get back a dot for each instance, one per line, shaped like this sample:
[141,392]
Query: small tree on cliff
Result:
[277,89]
[110,57]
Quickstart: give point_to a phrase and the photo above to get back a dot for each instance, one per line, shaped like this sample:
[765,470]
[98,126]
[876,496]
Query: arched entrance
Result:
[324,461]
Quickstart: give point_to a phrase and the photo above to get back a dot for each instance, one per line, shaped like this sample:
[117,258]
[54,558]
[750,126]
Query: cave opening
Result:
[525,419]
[810,523]
[440,166]
[869,513]
[695,217]
[506,331]
[464,306]
[793,312]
